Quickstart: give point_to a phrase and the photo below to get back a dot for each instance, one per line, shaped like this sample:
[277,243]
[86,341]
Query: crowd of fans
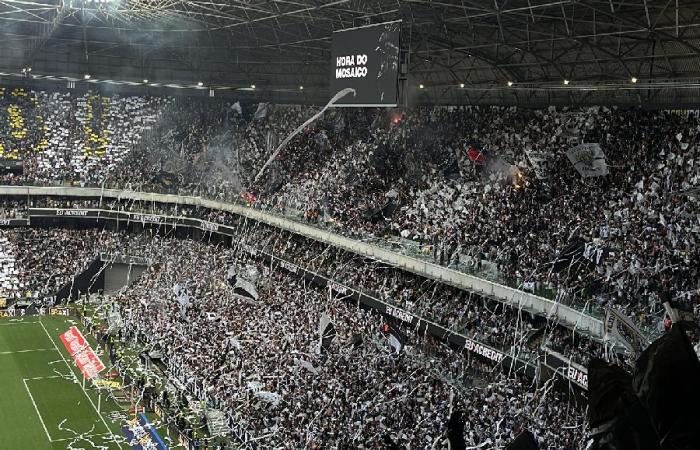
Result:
[80,138]
[261,359]
[242,348]
[489,190]
[639,230]
[493,323]
[37,263]
[490,322]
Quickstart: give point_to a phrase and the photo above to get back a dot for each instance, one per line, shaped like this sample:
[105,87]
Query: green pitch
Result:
[43,405]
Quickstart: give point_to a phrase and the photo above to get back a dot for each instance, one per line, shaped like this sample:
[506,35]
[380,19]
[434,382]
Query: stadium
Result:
[349,224]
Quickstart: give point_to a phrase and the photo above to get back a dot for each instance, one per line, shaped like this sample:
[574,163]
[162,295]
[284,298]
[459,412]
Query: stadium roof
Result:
[500,51]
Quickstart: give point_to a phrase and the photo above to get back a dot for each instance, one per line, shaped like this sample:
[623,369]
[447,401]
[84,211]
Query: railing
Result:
[566,315]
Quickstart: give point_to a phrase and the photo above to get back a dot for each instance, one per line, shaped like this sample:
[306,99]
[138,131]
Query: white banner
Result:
[589,160]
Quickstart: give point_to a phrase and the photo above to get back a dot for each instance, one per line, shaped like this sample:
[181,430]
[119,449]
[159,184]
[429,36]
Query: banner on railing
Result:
[14,222]
[482,350]
[58,311]
[72,212]
[14,311]
[566,368]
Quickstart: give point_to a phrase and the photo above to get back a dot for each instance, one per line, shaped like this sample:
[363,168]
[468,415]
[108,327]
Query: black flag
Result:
[570,259]
[328,336]
[617,419]
[455,431]
[524,441]
[667,382]
[231,276]
[395,337]
[326,331]
[389,443]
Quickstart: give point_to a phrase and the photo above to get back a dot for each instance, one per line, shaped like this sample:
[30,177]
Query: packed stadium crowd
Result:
[638,230]
[493,323]
[489,190]
[38,263]
[62,137]
[262,359]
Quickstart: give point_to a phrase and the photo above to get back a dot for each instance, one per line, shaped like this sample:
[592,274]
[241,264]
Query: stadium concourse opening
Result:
[349,225]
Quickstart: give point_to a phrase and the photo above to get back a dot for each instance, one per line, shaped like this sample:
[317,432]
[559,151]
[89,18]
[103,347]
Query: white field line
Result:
[31,397]
[109,431]
[17,323]
[44,378]
[27,351]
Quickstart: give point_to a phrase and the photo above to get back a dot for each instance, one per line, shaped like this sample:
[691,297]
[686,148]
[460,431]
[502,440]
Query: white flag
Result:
[262,110]
[620,329]
[589,160]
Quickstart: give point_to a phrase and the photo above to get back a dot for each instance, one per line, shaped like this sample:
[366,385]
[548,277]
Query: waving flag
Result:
[589,160]
[263,109]
[666,381]
[524,441]
[616,416]
[619,329]
[476,156]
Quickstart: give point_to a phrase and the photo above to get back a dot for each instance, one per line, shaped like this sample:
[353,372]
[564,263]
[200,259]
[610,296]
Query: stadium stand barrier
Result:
[538,305]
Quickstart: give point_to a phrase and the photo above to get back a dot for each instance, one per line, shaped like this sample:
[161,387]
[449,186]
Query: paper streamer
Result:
[335,98]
